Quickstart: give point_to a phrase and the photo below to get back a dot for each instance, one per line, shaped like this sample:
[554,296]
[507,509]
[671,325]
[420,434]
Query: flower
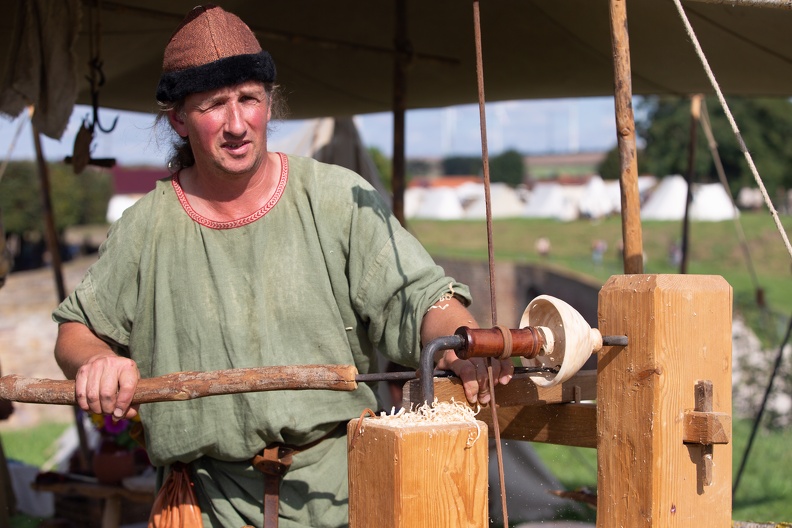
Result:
[119,432]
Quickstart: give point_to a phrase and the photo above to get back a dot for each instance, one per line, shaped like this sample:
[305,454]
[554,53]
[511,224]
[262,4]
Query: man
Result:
[247,258]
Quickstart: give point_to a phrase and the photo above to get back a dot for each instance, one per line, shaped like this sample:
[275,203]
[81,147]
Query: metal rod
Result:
[615,340]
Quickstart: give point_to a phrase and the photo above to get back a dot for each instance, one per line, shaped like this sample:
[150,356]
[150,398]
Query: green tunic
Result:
[323,274]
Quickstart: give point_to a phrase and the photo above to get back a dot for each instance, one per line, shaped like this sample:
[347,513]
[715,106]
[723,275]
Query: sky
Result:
[530,127]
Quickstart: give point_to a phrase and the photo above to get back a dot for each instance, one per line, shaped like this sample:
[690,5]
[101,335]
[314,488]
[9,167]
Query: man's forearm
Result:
[76,344]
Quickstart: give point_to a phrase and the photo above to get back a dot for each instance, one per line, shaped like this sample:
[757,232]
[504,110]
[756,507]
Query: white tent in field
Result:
[711,203]
[667,201]
[645,186]
[548,200]
[439,203]
[595,200]
[504,201]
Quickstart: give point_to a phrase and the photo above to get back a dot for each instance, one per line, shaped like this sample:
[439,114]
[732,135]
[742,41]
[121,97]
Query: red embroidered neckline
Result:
[240,221]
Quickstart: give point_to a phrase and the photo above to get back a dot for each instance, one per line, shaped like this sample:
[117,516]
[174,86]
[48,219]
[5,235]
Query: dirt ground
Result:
[27,335]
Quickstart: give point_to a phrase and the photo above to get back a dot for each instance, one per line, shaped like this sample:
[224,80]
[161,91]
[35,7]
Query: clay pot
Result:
[112,463]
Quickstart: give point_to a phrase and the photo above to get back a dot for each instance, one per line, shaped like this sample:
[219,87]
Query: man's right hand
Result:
[104,381]
[106,385]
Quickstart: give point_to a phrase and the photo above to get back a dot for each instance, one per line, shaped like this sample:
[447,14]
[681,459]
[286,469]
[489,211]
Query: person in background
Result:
[245,258]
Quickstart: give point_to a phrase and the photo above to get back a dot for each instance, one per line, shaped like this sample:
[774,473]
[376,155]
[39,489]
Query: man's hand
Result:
[442,319]
[104,382]
[473,373]
[106,385]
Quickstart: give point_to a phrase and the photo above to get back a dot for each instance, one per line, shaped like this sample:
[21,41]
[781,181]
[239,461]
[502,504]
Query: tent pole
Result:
[625,132]
[54,250]
[695,113]
[399,109]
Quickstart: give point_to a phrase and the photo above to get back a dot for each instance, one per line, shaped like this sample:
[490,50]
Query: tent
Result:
[596,201]
[439,203]
[667,201]
[504,201]
[710,203]
[548,200]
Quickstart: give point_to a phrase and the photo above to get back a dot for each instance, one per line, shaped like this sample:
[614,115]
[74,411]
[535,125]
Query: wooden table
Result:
[110,494]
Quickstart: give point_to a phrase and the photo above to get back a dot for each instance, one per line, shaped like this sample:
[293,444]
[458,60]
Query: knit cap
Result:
[210,49]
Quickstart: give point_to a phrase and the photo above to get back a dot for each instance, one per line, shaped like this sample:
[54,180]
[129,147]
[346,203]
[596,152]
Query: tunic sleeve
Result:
[393,279]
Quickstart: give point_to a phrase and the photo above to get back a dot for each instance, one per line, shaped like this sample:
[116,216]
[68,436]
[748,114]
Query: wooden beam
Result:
[570,424]
[679,331]
[520,391]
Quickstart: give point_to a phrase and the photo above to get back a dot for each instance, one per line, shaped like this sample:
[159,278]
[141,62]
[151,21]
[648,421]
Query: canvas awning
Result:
[336,58]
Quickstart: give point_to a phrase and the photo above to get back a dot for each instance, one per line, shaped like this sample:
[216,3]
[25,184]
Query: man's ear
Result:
[177,122]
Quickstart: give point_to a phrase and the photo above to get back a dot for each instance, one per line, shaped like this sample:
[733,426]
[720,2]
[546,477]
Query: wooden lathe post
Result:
[664,438]
[417,475]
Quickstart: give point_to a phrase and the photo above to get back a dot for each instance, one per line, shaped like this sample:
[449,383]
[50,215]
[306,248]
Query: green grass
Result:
[32,446]
[765,490]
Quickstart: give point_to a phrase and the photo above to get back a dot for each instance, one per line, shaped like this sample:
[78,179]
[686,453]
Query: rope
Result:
[713,146]
[733,124]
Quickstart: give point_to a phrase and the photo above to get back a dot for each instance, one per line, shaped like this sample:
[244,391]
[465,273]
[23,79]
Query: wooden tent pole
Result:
[625,127]
[695,113]
[399,109]
[54,249]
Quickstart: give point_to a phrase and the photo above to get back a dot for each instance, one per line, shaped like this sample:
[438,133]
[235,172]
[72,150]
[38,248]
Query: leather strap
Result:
[274,461]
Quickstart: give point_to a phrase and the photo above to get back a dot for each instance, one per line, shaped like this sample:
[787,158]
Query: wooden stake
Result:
[417,475]
[625,132]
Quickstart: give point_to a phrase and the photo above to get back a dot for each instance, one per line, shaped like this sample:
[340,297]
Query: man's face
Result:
[227,127]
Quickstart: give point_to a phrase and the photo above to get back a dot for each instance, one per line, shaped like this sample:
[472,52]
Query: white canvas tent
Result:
[504,200]
[548,200]
[439,203]
[711,203]
[596,201]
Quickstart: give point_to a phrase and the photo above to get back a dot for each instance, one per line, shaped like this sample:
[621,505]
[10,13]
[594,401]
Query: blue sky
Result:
[543,126]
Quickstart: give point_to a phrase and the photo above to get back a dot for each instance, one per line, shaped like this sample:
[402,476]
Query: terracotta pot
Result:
[111,464]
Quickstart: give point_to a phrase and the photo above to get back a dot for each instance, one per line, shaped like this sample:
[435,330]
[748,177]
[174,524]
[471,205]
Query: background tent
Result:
[710,203]
[548,200]
[596,201]
[335,141]
[505,203]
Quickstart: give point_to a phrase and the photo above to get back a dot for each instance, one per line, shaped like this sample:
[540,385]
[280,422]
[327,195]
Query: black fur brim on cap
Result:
[175,86]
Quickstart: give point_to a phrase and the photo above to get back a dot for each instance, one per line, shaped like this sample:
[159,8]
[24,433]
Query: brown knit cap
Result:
[210,49]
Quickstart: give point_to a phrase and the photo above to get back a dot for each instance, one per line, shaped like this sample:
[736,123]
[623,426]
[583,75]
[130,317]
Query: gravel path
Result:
[27,335]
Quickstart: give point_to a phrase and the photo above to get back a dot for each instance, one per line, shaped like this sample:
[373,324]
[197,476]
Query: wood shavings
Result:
[447,296]
[437,413]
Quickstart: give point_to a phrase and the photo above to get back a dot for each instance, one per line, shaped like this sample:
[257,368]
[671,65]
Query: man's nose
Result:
[235,124]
